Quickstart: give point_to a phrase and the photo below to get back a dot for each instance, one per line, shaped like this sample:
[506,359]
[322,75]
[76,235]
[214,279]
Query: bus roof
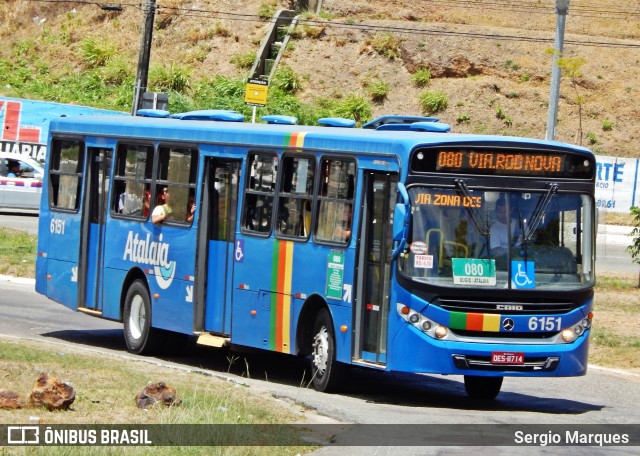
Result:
[334,139]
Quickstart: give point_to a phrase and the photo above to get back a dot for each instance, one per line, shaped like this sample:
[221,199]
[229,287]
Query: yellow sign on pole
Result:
[256,92]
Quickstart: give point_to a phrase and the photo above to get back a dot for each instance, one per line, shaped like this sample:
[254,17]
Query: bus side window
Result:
[65,173]
[335,202]
[132,180]
[177,171]
[258,204]
[296,190]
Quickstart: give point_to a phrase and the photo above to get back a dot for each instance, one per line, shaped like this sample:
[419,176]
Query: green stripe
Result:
[274,286]
[287,139]
[458,320]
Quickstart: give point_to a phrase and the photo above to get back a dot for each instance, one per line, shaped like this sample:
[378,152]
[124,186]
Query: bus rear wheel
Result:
[486,388]
[139,336]
[326,372]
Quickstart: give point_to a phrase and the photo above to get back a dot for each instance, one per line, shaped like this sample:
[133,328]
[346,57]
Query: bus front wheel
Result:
[138,333]
[482,387]
[326,372]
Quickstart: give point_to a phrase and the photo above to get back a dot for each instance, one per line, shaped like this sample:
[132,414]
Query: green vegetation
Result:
[352,107]
[591,137]
[421,77]
[17,253]
[267,9]
[502,116]
[463,118]
[286,80]
[607,125]
[387,45]
[106,387]
[97,53]
[378,90]
[433,102]
[511,65]
[634,248]
[244,60]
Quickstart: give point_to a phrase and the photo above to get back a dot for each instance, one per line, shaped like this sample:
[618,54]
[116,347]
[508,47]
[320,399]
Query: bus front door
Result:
[92,240]
[214,272]
[373,289]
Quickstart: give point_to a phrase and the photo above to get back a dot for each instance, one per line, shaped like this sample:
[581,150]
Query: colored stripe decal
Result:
[282,271]
[491,323]
[475,321]
[295,139]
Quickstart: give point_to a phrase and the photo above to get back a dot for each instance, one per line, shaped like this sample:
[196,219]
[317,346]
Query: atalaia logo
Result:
[155,253]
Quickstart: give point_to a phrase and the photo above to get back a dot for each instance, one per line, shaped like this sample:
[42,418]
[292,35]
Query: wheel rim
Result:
[137,317]
[321,350]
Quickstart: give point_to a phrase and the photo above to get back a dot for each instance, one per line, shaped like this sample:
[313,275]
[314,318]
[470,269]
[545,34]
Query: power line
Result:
[367,27]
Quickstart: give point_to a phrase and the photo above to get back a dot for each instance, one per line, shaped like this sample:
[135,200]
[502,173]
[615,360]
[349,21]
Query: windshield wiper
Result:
[539,211]
[462,188]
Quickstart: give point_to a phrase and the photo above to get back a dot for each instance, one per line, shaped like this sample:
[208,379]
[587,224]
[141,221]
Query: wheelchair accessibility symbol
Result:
[523,274]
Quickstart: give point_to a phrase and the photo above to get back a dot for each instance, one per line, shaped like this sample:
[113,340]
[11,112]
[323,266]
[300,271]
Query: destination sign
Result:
[506,162]
[448,200]
[501,162]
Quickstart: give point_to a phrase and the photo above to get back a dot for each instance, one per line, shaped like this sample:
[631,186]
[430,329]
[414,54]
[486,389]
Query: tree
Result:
[634,248]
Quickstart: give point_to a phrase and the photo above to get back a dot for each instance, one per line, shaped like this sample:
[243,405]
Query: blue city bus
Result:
[398,246]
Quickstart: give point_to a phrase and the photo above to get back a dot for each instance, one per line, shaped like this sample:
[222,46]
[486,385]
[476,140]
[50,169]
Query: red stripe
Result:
[282,259]
[474,322]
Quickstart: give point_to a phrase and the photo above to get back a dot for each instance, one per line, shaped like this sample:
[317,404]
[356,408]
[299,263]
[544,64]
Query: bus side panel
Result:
[62,258]
[41,253]
[113,280]
[316,270]
[251,319]
[159,251]
[63,284]
[172,308]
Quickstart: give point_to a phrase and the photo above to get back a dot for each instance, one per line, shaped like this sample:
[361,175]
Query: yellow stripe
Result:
[300,138]
[286,308]
[491,323]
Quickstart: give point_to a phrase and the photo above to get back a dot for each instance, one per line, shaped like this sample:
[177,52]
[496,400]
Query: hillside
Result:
[488,57]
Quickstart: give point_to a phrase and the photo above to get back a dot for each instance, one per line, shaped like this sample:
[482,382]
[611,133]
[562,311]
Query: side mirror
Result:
[399,216]
[401,221]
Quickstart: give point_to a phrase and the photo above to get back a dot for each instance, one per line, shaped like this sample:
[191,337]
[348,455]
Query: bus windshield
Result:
[510,239]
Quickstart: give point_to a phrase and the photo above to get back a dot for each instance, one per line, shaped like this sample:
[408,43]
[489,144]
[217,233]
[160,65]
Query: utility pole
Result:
[142,73]
[562,8]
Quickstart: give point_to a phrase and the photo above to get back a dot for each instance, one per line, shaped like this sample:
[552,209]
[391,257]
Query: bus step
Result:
[211,340]
[92,312]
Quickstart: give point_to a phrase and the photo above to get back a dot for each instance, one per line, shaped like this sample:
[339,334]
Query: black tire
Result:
[139,336]
[486,388]
[327,374]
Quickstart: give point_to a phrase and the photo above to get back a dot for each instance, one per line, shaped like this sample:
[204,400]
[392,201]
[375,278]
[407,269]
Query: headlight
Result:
[419,321]
[571,334]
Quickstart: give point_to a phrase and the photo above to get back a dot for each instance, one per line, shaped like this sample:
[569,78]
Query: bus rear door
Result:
[373,290]
[216,236]
[92,243]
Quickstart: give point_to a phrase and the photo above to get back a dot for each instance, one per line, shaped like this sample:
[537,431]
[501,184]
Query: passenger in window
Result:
[13,169]
[342,232]
[162,211]
[191,206]
[146,201]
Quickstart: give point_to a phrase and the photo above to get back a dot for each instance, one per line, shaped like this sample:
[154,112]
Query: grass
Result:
[17,253]
[105,389]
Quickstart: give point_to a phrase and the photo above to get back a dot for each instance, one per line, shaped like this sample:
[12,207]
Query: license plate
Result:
[507,358]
